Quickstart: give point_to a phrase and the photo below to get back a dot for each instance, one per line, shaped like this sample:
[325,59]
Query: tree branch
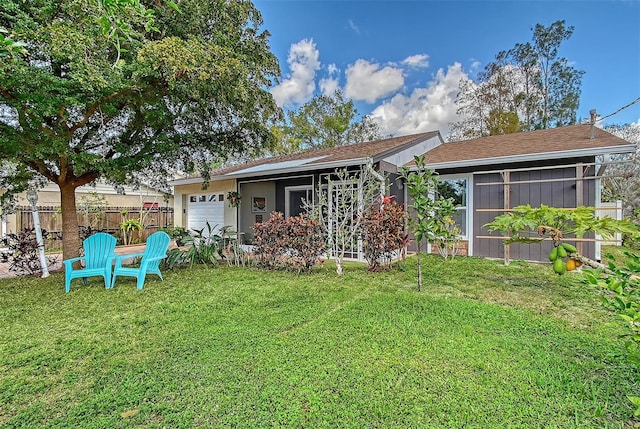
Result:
[92,109]
[61,113]
[41,168]
[6,94]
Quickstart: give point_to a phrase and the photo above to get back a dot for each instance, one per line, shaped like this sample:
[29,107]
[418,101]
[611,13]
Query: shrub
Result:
[294,244]
[22,252]
[622,286]
[448,243]
[202,246]
[632,240]
[383,233]
[177,233]
[128,227]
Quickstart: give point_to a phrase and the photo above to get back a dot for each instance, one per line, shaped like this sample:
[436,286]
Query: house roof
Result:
[335,157]
[554,143]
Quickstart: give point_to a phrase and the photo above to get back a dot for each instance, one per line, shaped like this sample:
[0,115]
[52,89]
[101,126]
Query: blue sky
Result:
[400,61]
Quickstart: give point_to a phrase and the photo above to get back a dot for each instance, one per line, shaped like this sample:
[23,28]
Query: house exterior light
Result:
[32,197]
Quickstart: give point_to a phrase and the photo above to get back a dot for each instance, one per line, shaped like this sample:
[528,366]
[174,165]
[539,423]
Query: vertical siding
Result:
[555,194]
[589,249]
[393,183]
[486,197]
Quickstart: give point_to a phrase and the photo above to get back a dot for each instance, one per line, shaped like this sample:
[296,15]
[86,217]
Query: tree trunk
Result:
[70,236]
[419,269]
[339,265]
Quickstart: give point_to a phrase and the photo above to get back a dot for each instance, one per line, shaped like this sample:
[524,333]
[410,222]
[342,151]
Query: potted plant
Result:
[234,198]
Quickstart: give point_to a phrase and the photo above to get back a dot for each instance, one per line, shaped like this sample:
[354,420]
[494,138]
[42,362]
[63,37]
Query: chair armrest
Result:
[155,258]
[127,256]
[68,262]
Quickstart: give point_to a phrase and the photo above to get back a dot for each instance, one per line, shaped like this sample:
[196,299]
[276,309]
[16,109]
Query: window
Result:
[295,198]
[456,188]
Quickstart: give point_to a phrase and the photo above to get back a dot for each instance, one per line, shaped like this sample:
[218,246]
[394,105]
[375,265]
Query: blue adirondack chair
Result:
[98,257]
[154,252]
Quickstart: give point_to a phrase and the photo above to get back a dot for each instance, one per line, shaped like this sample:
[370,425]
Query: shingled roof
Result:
[323,158]
[564,142]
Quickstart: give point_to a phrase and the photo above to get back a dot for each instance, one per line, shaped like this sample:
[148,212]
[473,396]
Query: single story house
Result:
[559,167]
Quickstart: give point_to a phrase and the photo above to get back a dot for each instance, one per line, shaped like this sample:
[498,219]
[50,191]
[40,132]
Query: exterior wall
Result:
[182,192]
[282,184]
[487,201]
[247,214]
[274,190]
[487,197]
[614,211]
[551,193]
[395,187]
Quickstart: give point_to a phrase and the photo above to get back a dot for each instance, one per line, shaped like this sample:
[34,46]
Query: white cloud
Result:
[331,83]
[354,27]
[418,60]
[367,81]
[426,109]
[328,86]
[299,86]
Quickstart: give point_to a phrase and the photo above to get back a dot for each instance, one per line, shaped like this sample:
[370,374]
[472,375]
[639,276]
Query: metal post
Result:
[32,197]
[166,210]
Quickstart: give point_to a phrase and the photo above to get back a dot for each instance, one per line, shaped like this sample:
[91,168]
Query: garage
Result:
[203,208]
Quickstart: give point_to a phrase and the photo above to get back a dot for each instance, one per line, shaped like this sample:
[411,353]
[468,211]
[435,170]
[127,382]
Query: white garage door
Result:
[203,208]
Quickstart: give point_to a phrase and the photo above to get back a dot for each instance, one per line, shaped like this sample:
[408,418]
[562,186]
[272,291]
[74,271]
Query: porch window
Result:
[456,188]
[295,196]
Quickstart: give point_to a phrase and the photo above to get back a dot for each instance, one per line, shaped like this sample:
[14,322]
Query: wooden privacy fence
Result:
[106,219]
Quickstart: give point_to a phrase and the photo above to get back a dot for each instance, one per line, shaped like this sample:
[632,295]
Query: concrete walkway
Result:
[120,250]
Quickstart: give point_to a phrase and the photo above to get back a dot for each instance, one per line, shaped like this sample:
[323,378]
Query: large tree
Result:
[118,90]
[527,87]
[325,121]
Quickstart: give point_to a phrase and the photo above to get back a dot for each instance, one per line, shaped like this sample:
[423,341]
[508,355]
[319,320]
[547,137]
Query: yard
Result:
[483,345]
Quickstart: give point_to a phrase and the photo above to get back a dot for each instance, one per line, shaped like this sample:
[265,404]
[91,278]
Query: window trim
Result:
[287,196]
[469,202]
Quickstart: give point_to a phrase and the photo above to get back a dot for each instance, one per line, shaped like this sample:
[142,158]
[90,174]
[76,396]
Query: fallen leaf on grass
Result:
[129,413]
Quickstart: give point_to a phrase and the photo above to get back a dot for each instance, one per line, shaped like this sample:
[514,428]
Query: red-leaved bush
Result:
[294,244]
[383,233]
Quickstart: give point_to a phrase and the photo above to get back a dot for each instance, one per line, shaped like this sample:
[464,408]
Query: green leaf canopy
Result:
[124,89]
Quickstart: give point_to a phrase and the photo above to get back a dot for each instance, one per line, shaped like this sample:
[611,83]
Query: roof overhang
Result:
[251,172]
[578,153]
[315,166]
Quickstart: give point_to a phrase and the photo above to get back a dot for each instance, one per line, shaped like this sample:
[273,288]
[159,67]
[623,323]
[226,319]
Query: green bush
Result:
[177,233]
[202,247]
[622,286]
[383,233]
[293,244]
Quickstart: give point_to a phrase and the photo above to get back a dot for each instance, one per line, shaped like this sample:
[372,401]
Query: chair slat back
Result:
[97,249]
[157,245]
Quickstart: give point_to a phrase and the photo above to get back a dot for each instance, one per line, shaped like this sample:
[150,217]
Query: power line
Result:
[637,100]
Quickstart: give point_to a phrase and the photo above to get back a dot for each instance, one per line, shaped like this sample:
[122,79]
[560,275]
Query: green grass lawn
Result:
[483,345]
